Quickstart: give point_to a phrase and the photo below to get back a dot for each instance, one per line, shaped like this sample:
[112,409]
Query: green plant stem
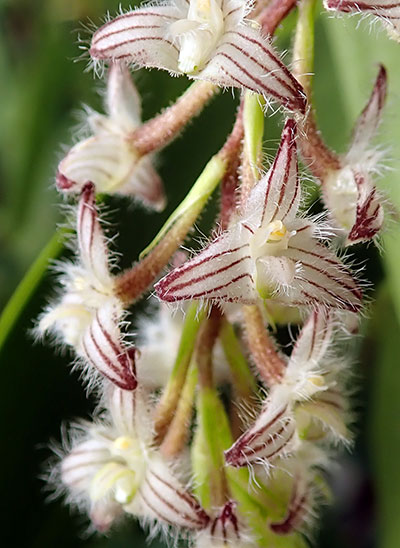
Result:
[28,284]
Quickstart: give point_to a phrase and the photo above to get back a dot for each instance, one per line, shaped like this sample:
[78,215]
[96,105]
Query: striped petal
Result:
[163,498]
[369,120]
[269,438]
[122,406]
[140,37]
[387,10]
[102,347]
[106,160]
[93,250]
[80,466]
[277,194]
[222,271]
[222,530]
[321,278]
[369,211]
[244,59]
[313,341]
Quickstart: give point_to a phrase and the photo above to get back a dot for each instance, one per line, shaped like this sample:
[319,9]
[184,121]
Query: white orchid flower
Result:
[107,158]
[353,201]
[206,39]
[114,468]
[268,252]
[308,392]
[88,315]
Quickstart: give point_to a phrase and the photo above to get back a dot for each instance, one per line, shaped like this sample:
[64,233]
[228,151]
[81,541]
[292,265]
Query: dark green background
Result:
[41,89]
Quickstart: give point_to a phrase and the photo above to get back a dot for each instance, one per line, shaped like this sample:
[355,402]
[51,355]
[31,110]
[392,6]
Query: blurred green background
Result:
[42,89]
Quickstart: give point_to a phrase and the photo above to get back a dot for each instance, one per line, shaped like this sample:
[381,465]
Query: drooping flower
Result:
[306,404]
[268,252]
[107,158]
[206,39]
[114,469]
[386,10]
[353,200]
[88,315]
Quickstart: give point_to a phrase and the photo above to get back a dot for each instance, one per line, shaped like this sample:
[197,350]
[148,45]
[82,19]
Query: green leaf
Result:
[384,423]
[27,286]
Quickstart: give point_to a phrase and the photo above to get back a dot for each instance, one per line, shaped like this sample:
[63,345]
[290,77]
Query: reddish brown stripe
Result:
[268,53]
[273,437]
[126,16]
[193,281]
[196,522]
[105,52]
[200,295]
[184,496]
[119,31]
[335,297]
[259,84]
[353,289]
[263,67]
[196,262]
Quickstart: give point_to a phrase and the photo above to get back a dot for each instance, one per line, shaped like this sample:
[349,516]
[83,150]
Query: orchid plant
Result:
[208,429]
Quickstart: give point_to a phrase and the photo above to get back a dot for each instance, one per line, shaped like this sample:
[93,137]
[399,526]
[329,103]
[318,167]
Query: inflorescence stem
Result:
[161,130]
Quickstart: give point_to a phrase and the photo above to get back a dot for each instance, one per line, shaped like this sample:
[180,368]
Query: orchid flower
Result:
[88,314]
[268,252]
[205,39]
[386,10]
[349,193]
[108,159]
[308,394]
[115,469]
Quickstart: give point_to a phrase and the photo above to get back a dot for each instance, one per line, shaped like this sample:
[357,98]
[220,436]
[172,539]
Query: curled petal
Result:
[369,211]
[268,439]
[140,37]
[162,497]
[278,192]
[370,117]
[80,466]
[321,278]
[106,160]
[313,341]
[246,60]
[92,246]
[102,347]
[222,271]
[123,100]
